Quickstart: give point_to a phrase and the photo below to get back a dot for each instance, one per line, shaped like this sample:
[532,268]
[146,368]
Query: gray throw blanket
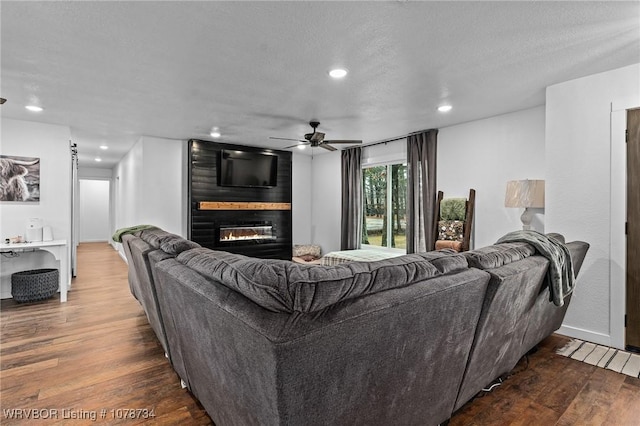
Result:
[560,274]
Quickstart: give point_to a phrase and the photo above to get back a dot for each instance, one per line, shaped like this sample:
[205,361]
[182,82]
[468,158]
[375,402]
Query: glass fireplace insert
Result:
[246,233]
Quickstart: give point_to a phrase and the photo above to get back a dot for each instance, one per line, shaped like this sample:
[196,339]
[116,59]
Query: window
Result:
[385,205]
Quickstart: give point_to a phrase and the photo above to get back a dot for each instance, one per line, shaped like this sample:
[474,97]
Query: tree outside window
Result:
[385,205]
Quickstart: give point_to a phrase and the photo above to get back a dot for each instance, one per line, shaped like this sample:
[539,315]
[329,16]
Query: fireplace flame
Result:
[246,235]
[232,237]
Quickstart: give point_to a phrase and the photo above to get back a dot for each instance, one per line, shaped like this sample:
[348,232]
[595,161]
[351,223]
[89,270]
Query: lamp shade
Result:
[525,193]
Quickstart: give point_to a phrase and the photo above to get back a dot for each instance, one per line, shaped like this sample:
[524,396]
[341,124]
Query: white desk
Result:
[58,248]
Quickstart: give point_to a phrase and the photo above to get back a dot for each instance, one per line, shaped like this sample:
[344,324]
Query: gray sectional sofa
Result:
[403,341]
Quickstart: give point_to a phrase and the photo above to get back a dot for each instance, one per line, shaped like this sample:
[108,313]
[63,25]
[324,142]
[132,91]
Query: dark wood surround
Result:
[212,206]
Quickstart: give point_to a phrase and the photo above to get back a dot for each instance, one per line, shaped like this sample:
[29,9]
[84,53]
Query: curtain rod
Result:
[385,141]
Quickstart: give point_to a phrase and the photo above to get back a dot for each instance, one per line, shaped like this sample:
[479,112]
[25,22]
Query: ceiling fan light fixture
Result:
[34,108]
[338,73]
[444,108]
[316,139]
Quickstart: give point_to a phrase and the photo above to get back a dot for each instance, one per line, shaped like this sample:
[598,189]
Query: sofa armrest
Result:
[578,250]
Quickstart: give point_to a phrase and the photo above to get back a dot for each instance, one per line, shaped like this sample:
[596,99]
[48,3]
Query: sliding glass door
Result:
[384,218]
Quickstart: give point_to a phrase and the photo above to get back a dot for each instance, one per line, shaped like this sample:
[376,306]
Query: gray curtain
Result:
[421,191]
[351,235]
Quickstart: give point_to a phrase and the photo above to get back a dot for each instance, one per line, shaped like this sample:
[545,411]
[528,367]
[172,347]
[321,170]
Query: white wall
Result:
[580,188]
[484,155]
[301,194]
[163,186]
[150,186]
[128,187]
[94,197]
[325,203]
[98,173]
[51,144]
[94,173]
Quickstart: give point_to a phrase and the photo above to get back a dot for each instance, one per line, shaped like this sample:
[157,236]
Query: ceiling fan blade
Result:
[344,141]
[286,139]
[327,147]
[296,145]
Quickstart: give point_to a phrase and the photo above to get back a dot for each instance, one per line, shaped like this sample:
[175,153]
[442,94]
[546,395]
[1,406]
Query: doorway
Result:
[94,210]
[632,319]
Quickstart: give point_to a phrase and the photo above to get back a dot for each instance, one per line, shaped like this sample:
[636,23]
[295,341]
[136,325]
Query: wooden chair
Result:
[454,233]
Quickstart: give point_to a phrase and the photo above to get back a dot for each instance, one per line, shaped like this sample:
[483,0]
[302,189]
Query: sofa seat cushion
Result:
[284,286]
[498,255]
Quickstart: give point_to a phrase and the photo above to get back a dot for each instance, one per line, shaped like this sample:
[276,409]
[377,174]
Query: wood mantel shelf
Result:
[239,205]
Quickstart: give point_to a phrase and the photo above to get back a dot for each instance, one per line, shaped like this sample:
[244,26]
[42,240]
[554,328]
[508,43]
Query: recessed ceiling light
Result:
[104,147]
[302,146]
[98,159]
[444,108]
[338,73]
[34,108]
[215,132]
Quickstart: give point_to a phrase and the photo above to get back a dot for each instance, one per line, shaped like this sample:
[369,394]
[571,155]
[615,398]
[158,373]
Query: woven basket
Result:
[34,285]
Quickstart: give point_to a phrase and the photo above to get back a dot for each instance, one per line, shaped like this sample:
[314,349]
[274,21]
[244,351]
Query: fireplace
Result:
[246,233]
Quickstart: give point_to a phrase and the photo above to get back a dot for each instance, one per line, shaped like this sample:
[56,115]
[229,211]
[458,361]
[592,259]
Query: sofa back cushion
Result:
[498,255]
[169,243]
[284,286]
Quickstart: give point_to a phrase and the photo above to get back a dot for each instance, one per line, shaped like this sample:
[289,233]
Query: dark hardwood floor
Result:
[551,389]
[97,354]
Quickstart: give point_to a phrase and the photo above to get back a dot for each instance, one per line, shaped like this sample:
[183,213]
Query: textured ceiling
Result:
[114,71]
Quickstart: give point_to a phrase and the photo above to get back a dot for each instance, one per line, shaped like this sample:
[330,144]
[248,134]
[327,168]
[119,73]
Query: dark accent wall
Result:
[204,161]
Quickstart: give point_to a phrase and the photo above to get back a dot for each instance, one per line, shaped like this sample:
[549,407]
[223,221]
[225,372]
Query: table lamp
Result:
[525,194]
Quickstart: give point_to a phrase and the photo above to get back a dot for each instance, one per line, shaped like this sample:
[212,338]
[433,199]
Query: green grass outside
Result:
[376,240]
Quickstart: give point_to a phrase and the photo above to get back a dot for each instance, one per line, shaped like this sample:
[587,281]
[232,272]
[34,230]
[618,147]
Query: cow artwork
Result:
[19,178]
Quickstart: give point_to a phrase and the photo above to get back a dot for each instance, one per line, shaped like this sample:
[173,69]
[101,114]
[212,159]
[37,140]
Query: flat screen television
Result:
[249,169]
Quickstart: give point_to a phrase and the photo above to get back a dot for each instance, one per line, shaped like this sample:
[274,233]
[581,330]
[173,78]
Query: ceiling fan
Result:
[316,139]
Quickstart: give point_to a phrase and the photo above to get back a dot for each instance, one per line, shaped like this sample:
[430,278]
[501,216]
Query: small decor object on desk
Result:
[34,285]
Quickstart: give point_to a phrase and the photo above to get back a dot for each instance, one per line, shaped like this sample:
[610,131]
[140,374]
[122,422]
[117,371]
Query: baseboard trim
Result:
[121,254]
[586,335]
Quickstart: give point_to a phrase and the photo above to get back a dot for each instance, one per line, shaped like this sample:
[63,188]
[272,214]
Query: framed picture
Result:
[19,178]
